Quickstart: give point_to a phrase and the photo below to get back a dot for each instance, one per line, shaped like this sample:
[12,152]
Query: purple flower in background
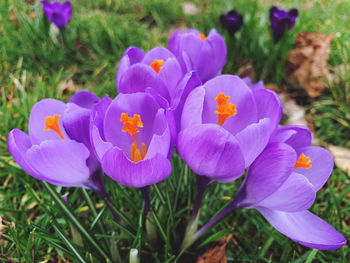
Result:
[58,13]
[58,149]
[282,184]
[281,20]
[131,138]
[195,51]
[225,126]
[232,21]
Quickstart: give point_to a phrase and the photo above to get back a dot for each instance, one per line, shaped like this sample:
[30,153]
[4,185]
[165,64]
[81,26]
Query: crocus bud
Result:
[232,21]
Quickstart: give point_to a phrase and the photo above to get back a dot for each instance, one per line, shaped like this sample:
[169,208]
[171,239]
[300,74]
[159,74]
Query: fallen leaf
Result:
[341,157]
[217,254]
[189,8]
[307,62]
[13,16]
[32,15]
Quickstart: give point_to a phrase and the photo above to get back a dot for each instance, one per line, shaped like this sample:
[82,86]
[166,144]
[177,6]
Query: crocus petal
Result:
[84,99]
[191,44]
[137,175]
[100,146]
[250,84]
[211,151]
[321,165]
[269,171]
[98,114]
[174,39]
[295,194]
[18,143]
[192,111]
[269,106]
[187,84]
[305,228]
[170,74]
[293,14]
[76,122]
[155,54]
[63,162]
[213,56]
[160,141]
[140,76]
[295,136]
[240,95]
[253,139]
[42,109]
[131,56]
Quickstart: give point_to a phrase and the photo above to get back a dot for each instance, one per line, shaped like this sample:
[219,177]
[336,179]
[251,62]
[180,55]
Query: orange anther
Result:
[224,109]
[51,123]
[303,161]
[202,36]
[131,126]
[157,65]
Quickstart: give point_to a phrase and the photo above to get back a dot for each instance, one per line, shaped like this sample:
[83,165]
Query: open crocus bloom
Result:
[58,13]
[195,51]
[225,126]
[158,69]
[282,184]
[131,138]
[281,20]
[58,149]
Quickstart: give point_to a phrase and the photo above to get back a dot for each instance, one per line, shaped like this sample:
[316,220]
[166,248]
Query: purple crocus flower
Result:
[232,21]
[58,13]
[159,73]
[131,138]
[195,51]
[281,20]
[58,149]
[282,184]
[225,126]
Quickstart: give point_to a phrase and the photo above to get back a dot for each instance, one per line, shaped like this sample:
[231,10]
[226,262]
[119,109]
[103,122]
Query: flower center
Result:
[224,109]
[202,36]
[131,126]
[303,161]
[157,65]
[51,123]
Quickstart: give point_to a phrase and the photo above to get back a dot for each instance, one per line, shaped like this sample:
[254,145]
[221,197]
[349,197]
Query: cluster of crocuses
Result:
[219,124]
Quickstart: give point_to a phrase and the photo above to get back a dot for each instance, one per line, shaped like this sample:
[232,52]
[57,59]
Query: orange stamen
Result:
[157,65]
[51,123]
[303,161]
[202,36]
[224,109]
[131,126]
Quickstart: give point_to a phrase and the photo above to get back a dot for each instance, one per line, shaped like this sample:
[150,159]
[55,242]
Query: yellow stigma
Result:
[303,161]
[51,123]
[224,110]
[131,126]
[157,65]
[202,36]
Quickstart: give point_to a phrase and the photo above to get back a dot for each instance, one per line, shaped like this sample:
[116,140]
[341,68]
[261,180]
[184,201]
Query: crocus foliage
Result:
[225,126]
[58,149]
[232,21]
[282,183]
[58,13]
[131,137]
[281,21]
[195,51]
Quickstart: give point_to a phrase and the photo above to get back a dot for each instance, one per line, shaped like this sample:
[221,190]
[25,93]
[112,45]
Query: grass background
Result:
[35,63]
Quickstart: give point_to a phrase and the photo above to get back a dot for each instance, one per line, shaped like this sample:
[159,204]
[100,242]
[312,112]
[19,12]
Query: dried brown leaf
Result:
[189,8]
[307,62]
[247,70]
[217,254]
[341,157]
